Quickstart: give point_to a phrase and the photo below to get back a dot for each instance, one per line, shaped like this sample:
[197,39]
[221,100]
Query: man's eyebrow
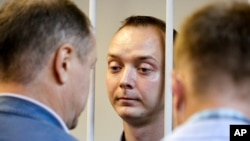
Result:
[141,58]
[112,55]
[148,57]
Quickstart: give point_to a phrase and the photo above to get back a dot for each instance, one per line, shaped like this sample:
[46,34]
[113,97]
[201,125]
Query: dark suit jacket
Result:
[21,120]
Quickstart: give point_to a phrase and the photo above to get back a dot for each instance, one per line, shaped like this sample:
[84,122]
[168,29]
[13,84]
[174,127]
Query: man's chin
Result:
[129,114]
[134,119]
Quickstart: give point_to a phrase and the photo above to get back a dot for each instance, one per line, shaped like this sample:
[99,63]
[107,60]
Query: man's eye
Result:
[114,69]
[144,70]
[114,66]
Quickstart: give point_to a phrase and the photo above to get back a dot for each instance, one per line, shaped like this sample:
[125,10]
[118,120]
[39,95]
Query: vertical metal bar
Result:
[168,67]
[91,99]
[92,13]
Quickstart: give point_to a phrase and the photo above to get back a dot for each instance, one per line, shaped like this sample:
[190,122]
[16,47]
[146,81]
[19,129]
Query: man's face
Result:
[80,80]
[135,72]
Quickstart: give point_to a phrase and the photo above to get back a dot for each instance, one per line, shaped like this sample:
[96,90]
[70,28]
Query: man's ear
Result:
[179,96]
[62,62]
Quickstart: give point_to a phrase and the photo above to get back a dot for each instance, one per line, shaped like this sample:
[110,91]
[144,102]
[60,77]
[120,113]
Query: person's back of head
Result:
[212,53]
[47,50]
[31,30]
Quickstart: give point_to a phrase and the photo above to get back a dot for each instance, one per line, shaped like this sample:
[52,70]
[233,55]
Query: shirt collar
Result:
[219,113]
[123,137]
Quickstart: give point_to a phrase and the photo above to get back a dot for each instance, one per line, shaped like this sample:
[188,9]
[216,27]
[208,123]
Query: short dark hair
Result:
[145,21]
[216,41]
[32,30]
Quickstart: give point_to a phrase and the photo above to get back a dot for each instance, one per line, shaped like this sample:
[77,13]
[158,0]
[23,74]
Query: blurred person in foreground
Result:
[135,77]
[211,77]
[47,50]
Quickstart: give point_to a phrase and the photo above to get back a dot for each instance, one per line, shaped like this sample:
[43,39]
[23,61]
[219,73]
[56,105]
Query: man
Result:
[47,50]
[212,73]
[135,77]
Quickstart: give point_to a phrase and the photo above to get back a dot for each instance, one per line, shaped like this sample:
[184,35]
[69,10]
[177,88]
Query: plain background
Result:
[109,14]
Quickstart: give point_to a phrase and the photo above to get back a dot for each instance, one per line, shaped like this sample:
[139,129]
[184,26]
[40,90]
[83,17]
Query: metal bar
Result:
[168,67]
[91,100]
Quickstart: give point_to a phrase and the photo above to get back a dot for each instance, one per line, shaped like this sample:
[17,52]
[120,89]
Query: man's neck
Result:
[151,131]
[35,92]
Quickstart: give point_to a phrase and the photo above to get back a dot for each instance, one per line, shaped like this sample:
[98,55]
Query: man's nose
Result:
[128,78]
